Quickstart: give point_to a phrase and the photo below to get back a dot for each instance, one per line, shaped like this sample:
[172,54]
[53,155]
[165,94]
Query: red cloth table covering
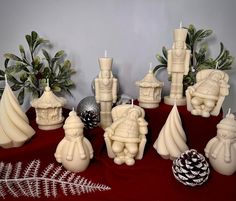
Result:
[149,179]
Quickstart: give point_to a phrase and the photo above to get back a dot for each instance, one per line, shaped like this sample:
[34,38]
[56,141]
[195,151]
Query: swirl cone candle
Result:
[14,124]
[171,140]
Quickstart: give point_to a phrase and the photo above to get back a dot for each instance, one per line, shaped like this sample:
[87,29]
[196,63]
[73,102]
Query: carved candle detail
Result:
[49,110]
[149,91]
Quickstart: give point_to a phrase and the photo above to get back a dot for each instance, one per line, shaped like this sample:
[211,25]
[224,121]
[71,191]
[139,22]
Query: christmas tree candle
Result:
[14,124]
[171,140]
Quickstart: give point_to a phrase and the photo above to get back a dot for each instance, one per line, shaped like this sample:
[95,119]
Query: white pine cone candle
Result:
[191,168]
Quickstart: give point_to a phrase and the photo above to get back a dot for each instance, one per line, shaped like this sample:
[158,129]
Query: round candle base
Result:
[50,127]
[171,101]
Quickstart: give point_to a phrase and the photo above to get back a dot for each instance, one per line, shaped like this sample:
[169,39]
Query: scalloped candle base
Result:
[148,105]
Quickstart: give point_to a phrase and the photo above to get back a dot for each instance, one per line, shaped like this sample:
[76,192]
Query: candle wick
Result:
[180,25]
[150,66]
[47,82]
[73,109]
[229,110]
[105,54]
[132,103]
[217,64]
[6,79]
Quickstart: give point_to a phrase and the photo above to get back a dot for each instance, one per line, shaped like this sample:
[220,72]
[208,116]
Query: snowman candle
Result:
[74,151]
[221,150]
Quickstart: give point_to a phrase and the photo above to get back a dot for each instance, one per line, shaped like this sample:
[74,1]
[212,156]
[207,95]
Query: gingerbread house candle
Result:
[149,91]
[49,110]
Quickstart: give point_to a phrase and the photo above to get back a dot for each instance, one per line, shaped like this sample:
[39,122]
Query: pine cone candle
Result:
[191,168]
[90,119]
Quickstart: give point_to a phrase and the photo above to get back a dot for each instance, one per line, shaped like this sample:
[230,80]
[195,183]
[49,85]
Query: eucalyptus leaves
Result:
[30,72]
[199,55]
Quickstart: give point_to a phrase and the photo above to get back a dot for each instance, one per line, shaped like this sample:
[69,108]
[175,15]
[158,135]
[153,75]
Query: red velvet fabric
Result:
[149,179]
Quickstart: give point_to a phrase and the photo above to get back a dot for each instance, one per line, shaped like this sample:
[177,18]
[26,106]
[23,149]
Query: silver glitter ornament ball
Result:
[88,104]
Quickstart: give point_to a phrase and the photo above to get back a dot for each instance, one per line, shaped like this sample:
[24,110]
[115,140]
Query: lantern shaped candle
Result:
[49,110]
[149,91]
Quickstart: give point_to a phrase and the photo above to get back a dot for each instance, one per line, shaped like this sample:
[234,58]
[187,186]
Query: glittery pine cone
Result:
[191,168]
[90,119]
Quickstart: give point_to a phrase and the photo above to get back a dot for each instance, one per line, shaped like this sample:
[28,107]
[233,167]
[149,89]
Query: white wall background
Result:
[132,31]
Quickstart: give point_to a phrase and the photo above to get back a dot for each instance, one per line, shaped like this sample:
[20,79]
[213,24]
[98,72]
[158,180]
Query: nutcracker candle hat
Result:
[73,121]
[228,123]
[105,63]
[180,34]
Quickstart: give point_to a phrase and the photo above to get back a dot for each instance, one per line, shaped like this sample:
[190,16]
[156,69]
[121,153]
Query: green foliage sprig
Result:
[30,71]
[199,55]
